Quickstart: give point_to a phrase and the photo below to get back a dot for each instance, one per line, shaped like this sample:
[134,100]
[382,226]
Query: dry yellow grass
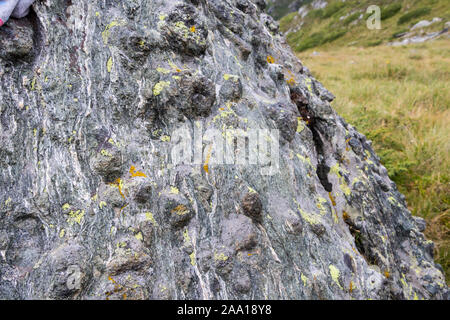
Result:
[399,97]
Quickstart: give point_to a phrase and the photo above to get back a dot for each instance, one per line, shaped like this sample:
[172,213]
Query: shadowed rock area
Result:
[92,205]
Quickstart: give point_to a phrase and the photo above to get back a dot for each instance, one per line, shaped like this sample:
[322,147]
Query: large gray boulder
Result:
[96,98]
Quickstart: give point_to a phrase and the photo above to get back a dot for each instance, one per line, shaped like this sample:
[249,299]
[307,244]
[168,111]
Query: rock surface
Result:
[93,207]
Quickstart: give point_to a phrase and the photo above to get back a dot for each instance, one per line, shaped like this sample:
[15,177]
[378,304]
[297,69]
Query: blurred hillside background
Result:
[392,84]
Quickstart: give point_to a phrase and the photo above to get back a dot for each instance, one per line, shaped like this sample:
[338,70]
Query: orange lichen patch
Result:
[386,274]
[135,173]
[270,59]
[180,210]
[208,157]
[119,185]
[346,144]
[291,81]
[345,215]
[111,279]
[192,29]
[333,201]
[350,289]
[124,296]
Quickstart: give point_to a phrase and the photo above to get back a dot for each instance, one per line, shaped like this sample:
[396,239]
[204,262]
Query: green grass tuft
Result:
[390,10]
[414,14]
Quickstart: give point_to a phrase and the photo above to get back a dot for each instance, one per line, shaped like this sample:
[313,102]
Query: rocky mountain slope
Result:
[279,8]
[100,101]
[318,23]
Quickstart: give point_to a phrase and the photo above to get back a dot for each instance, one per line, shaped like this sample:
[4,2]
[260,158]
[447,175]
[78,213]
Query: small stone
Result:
[251,203]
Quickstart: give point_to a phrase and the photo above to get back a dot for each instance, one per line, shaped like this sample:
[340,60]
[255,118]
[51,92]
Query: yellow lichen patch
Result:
[135,173]
[139,236]
[149,217]
[368,157]
[320,205]
[33,84]
[224,114]
[304,159]
[227,77]
[105,33]
[307,216]
[102,204]
[336,169]
[304,279]
[165,138]
[345,189]
[356,180]
[187,239]
[62,233]
[119,185]
[270,59]
[105,153]
[220,256]
[181,28]
[66,206]
[335,273]
[300,125]
[159,87]
[109,64]
[174,66]
[162,17]
[76,217]
[308,83]
[174,190]
[393,201]
[251,190]
[193,259]
[180,210]
[163,71]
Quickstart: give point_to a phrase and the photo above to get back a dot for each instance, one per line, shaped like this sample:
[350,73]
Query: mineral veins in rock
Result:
[93,205]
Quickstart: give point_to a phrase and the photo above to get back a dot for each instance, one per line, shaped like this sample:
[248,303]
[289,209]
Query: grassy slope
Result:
[399,98]
[323,27]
